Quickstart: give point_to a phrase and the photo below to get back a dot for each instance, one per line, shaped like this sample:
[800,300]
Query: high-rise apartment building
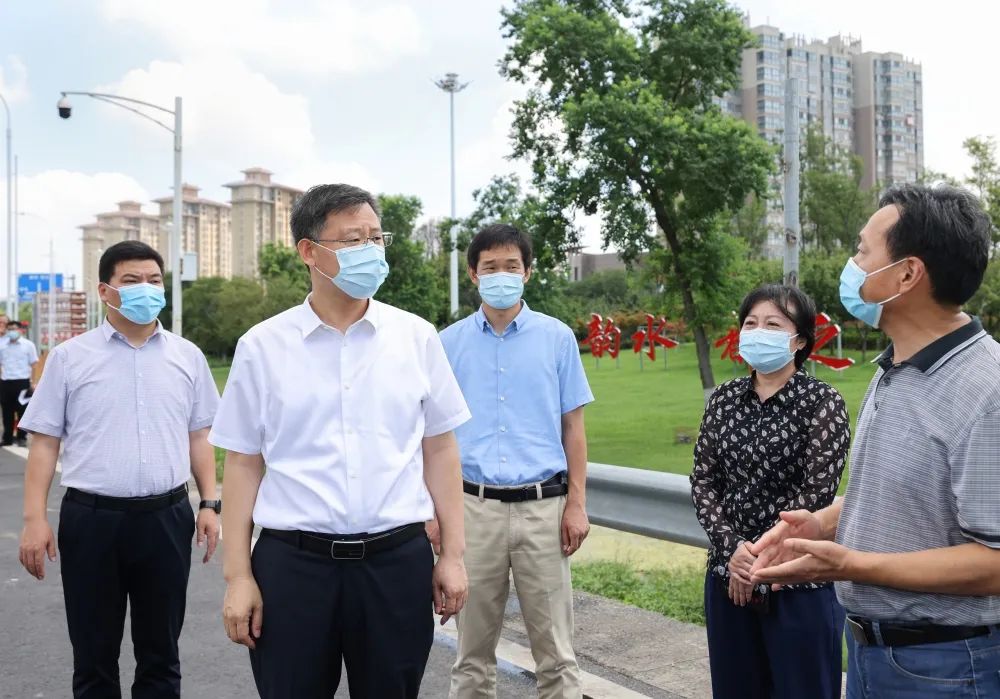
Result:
[261,214]
[128,223]
[867,103]
[206,231]
[889,117]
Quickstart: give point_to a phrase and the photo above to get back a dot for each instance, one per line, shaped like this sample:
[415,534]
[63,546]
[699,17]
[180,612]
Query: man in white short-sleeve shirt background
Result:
[350,403]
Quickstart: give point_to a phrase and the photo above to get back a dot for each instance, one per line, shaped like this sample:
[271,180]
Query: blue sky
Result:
[325,90]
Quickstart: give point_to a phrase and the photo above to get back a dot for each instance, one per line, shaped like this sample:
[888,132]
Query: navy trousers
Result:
[792,650]
[375,615]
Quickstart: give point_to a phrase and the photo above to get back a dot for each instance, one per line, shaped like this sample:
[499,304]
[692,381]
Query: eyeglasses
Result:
[383,240]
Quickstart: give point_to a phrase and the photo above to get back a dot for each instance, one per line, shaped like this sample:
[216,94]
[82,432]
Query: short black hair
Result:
[123,252]
[14,324]
[310,211]
[947,229]
[794,304]
[499,235]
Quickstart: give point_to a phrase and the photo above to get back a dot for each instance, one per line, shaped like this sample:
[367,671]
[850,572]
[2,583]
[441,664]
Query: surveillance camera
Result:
[64,108]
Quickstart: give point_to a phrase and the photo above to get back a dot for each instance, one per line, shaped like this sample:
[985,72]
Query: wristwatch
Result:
[211,505]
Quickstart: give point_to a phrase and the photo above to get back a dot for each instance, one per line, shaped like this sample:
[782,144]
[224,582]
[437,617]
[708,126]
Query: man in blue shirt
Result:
[524,463]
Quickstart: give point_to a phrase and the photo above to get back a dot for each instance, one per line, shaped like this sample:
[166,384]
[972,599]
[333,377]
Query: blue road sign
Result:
[30,284]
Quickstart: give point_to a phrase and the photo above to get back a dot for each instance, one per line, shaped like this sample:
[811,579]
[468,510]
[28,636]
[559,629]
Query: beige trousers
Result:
[523,538]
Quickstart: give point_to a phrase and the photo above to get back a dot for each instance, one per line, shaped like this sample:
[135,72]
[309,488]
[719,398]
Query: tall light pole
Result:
[178,220]
[10,218]
[793,228]
[17,241]
[451,85]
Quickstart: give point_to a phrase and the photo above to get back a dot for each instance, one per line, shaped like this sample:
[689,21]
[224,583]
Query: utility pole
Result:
[790,166]
[451,85]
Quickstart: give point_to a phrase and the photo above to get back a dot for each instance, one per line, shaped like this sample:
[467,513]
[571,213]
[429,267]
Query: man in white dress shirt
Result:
[350,404]
[131,405]
[18,357]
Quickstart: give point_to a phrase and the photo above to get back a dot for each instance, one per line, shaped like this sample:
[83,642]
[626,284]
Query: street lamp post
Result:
[10,219]
[178,220]
[451,85]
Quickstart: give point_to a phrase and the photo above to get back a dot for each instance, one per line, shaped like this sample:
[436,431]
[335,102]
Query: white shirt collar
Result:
[309,322]
[110,331]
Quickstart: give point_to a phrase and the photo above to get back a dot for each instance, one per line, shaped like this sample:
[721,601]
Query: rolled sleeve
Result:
[239,424]
[206,397]
[444,407]
[574,389]
[46,412]
[975,477]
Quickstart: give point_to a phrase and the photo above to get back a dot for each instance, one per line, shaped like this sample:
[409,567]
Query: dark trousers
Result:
[110,557]
[791,651]
[12,408]
[374,614]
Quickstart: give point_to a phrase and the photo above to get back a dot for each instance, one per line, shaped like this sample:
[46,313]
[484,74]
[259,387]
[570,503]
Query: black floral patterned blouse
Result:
[754,460]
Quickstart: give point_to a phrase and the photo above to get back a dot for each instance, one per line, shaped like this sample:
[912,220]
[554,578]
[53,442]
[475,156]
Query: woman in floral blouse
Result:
[771,441]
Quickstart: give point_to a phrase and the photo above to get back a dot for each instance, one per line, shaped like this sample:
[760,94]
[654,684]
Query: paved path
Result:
[625,652]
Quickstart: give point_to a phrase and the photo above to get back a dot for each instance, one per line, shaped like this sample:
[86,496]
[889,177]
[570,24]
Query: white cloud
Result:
[14,80]
[56,202]
[328,36]
[233,118]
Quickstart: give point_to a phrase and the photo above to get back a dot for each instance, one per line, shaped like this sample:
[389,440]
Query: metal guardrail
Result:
[643,502]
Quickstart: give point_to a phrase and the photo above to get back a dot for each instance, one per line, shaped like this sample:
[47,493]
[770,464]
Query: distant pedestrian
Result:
[18,357]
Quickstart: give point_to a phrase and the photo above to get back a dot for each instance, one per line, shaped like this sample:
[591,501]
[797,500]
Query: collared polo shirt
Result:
[339,418]
[124,414]
[518,385]
[16,359]
[925,471]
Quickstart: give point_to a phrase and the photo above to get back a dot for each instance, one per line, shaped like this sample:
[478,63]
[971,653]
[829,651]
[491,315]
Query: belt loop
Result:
[538,491]
[482,491]
[877,632]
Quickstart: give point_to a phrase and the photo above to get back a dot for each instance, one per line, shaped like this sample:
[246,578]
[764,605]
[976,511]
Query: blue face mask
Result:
[501,290]
[767,351]
[851,281]
[362,269]
[13,334]
[141,303]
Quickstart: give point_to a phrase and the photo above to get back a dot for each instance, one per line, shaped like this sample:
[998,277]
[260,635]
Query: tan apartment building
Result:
[868,103]
[206,231]
[261,214]
[128,223]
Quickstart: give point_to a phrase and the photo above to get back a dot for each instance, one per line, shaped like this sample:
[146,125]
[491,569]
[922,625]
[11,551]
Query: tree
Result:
[834,205]
[620,122]
[413,283]
[276,261]
[750,224]
[986,178]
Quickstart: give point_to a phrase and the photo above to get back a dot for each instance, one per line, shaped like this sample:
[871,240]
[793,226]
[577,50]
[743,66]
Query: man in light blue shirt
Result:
[524,463]
[18,357]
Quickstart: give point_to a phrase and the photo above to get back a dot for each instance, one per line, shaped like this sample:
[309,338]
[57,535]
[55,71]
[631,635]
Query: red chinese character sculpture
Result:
[826,330]
[603,337]
[653,337]
[731,345]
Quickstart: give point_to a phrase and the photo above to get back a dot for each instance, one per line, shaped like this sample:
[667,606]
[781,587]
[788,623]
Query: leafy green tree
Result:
[413,283]
[750,224]
[620,122]
[986,178]
[217,312]
[834,206]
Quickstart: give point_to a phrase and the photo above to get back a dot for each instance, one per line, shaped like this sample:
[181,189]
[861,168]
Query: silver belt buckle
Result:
[858,632]
[349,551]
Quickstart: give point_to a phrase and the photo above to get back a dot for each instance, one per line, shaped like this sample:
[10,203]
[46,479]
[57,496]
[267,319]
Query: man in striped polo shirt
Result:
[914,545]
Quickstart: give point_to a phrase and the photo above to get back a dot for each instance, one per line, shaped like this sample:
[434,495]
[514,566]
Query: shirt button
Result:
[140,374]
[143,461]
[141,403]
[350,430]
[502,399]
[347,387]
[501,339]
[503,429]
[503,459]
[502,370]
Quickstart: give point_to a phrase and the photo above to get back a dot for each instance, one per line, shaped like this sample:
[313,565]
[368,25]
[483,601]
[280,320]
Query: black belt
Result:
[150,503]
[349,547]
[551,488]
[909,634]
